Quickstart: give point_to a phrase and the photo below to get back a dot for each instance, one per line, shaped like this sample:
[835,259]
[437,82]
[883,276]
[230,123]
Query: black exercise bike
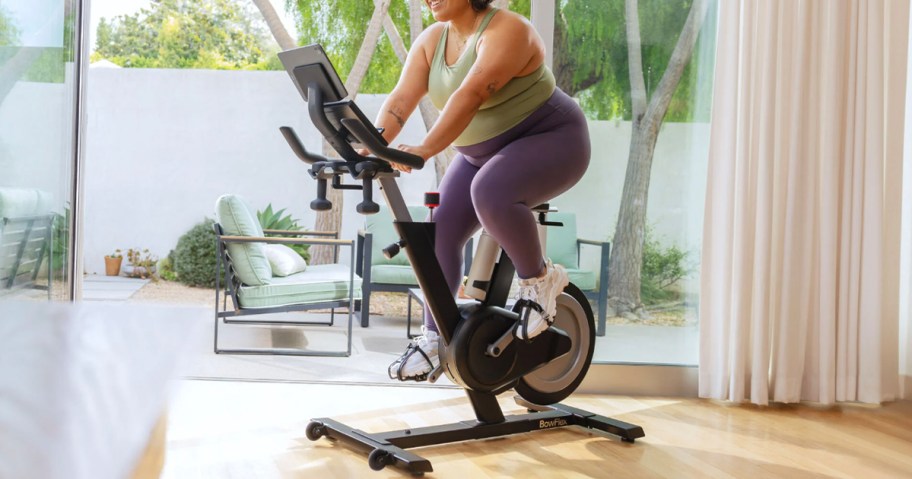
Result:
[477,348]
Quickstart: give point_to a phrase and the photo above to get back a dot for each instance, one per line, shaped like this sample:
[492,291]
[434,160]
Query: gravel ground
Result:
[161,291]
[384,304]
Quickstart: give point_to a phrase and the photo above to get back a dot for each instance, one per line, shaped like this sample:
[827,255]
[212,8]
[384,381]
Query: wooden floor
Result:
[256,430]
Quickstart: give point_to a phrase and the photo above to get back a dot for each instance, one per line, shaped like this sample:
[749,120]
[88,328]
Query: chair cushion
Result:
[562,247]
[283,260]
[320,283]
[18,202]
[393,274]
[380,225]
[249,259]
[583,279]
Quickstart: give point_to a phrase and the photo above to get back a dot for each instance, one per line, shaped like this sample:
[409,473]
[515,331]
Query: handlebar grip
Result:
[298,148]
[366,138]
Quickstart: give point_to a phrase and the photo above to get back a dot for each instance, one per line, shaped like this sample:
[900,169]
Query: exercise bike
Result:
[477,348]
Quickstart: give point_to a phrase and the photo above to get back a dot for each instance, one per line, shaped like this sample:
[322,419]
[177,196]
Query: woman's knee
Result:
[488,199]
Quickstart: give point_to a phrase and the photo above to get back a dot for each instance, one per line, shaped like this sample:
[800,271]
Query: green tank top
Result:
[505,109]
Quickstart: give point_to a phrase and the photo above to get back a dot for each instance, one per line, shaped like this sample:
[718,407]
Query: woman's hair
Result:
[479,5]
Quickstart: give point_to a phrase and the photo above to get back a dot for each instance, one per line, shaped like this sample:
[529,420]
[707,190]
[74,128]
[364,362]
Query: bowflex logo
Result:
[543,424]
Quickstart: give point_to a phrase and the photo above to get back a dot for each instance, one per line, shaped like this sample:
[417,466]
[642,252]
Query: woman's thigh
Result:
[533,169]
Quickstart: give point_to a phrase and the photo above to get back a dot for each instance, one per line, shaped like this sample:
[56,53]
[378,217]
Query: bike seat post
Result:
[482,270]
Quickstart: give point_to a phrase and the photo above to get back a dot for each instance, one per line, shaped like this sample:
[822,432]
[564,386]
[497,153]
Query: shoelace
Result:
[422,342]
[529,293]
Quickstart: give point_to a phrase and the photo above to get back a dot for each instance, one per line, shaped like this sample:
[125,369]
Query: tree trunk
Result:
[627,252]
[416,23]
[15,67]
[285,41]
[368,46]
[328,220]
[332,220]
[429,113]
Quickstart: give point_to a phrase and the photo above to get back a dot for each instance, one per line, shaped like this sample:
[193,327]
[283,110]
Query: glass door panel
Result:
[38,94]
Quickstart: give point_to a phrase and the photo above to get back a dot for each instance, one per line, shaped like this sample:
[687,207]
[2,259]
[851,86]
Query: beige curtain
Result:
[799,293]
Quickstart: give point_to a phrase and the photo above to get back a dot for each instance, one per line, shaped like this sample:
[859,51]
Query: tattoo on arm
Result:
[491,87]
[396,112]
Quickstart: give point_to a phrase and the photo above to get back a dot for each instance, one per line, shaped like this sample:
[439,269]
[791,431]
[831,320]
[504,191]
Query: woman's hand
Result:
[421,151]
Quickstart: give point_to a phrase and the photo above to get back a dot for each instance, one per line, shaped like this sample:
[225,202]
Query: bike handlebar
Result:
[298,148]
[392,155]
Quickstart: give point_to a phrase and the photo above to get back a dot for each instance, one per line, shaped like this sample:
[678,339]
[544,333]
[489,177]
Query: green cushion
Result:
[18,202]
[393,274]
[583,279]
[249,259]
[562,248]
[380,225]
[320,283]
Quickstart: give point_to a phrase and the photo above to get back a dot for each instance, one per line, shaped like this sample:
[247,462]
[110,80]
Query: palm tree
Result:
[332,220]
[275,25]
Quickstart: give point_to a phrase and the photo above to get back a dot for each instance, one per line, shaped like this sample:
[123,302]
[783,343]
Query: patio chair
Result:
[262,278]
[563,247]
[380,274]
[25,238]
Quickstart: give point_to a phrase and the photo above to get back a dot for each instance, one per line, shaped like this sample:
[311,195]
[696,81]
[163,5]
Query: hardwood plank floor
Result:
[256,430]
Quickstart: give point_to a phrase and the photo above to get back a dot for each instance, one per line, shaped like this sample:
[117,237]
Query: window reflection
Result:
[648,115]
[37,105]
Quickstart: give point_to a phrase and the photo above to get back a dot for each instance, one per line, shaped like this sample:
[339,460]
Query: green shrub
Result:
[60,235]
[662,268]
[166,268]
[274,220]
[195,255]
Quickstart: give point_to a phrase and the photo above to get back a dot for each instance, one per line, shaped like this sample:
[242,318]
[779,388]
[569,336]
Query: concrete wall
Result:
[162,145]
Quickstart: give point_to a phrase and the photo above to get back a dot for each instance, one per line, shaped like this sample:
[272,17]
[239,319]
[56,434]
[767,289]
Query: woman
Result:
[521,141]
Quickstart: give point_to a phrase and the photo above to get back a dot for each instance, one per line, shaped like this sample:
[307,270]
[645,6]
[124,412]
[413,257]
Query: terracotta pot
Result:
[112,265]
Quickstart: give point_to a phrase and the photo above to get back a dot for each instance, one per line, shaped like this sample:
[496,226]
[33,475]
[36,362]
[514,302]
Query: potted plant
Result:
[141,263]
[112,263]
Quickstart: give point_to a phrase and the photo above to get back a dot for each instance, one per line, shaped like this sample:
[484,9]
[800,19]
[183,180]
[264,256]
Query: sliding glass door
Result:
[642,72]
[39,92]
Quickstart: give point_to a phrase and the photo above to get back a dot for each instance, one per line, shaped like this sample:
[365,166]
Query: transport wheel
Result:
[379,458]
[315,430]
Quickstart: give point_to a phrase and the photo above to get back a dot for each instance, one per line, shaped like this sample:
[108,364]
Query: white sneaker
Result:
[418,360]
[537,300]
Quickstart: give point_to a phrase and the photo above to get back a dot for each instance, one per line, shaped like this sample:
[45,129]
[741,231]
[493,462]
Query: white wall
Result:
[36,139]
[162,145]
[675,194]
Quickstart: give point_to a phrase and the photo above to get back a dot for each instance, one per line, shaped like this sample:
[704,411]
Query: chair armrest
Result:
[364,254]
[605,256]
[591,242]
[281,240]
[334,234]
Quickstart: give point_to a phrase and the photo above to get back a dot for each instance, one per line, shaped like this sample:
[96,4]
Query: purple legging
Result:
[494,183]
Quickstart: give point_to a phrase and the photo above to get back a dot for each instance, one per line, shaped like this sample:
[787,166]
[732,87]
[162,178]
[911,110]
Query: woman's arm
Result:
[502,55]
[412,86]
